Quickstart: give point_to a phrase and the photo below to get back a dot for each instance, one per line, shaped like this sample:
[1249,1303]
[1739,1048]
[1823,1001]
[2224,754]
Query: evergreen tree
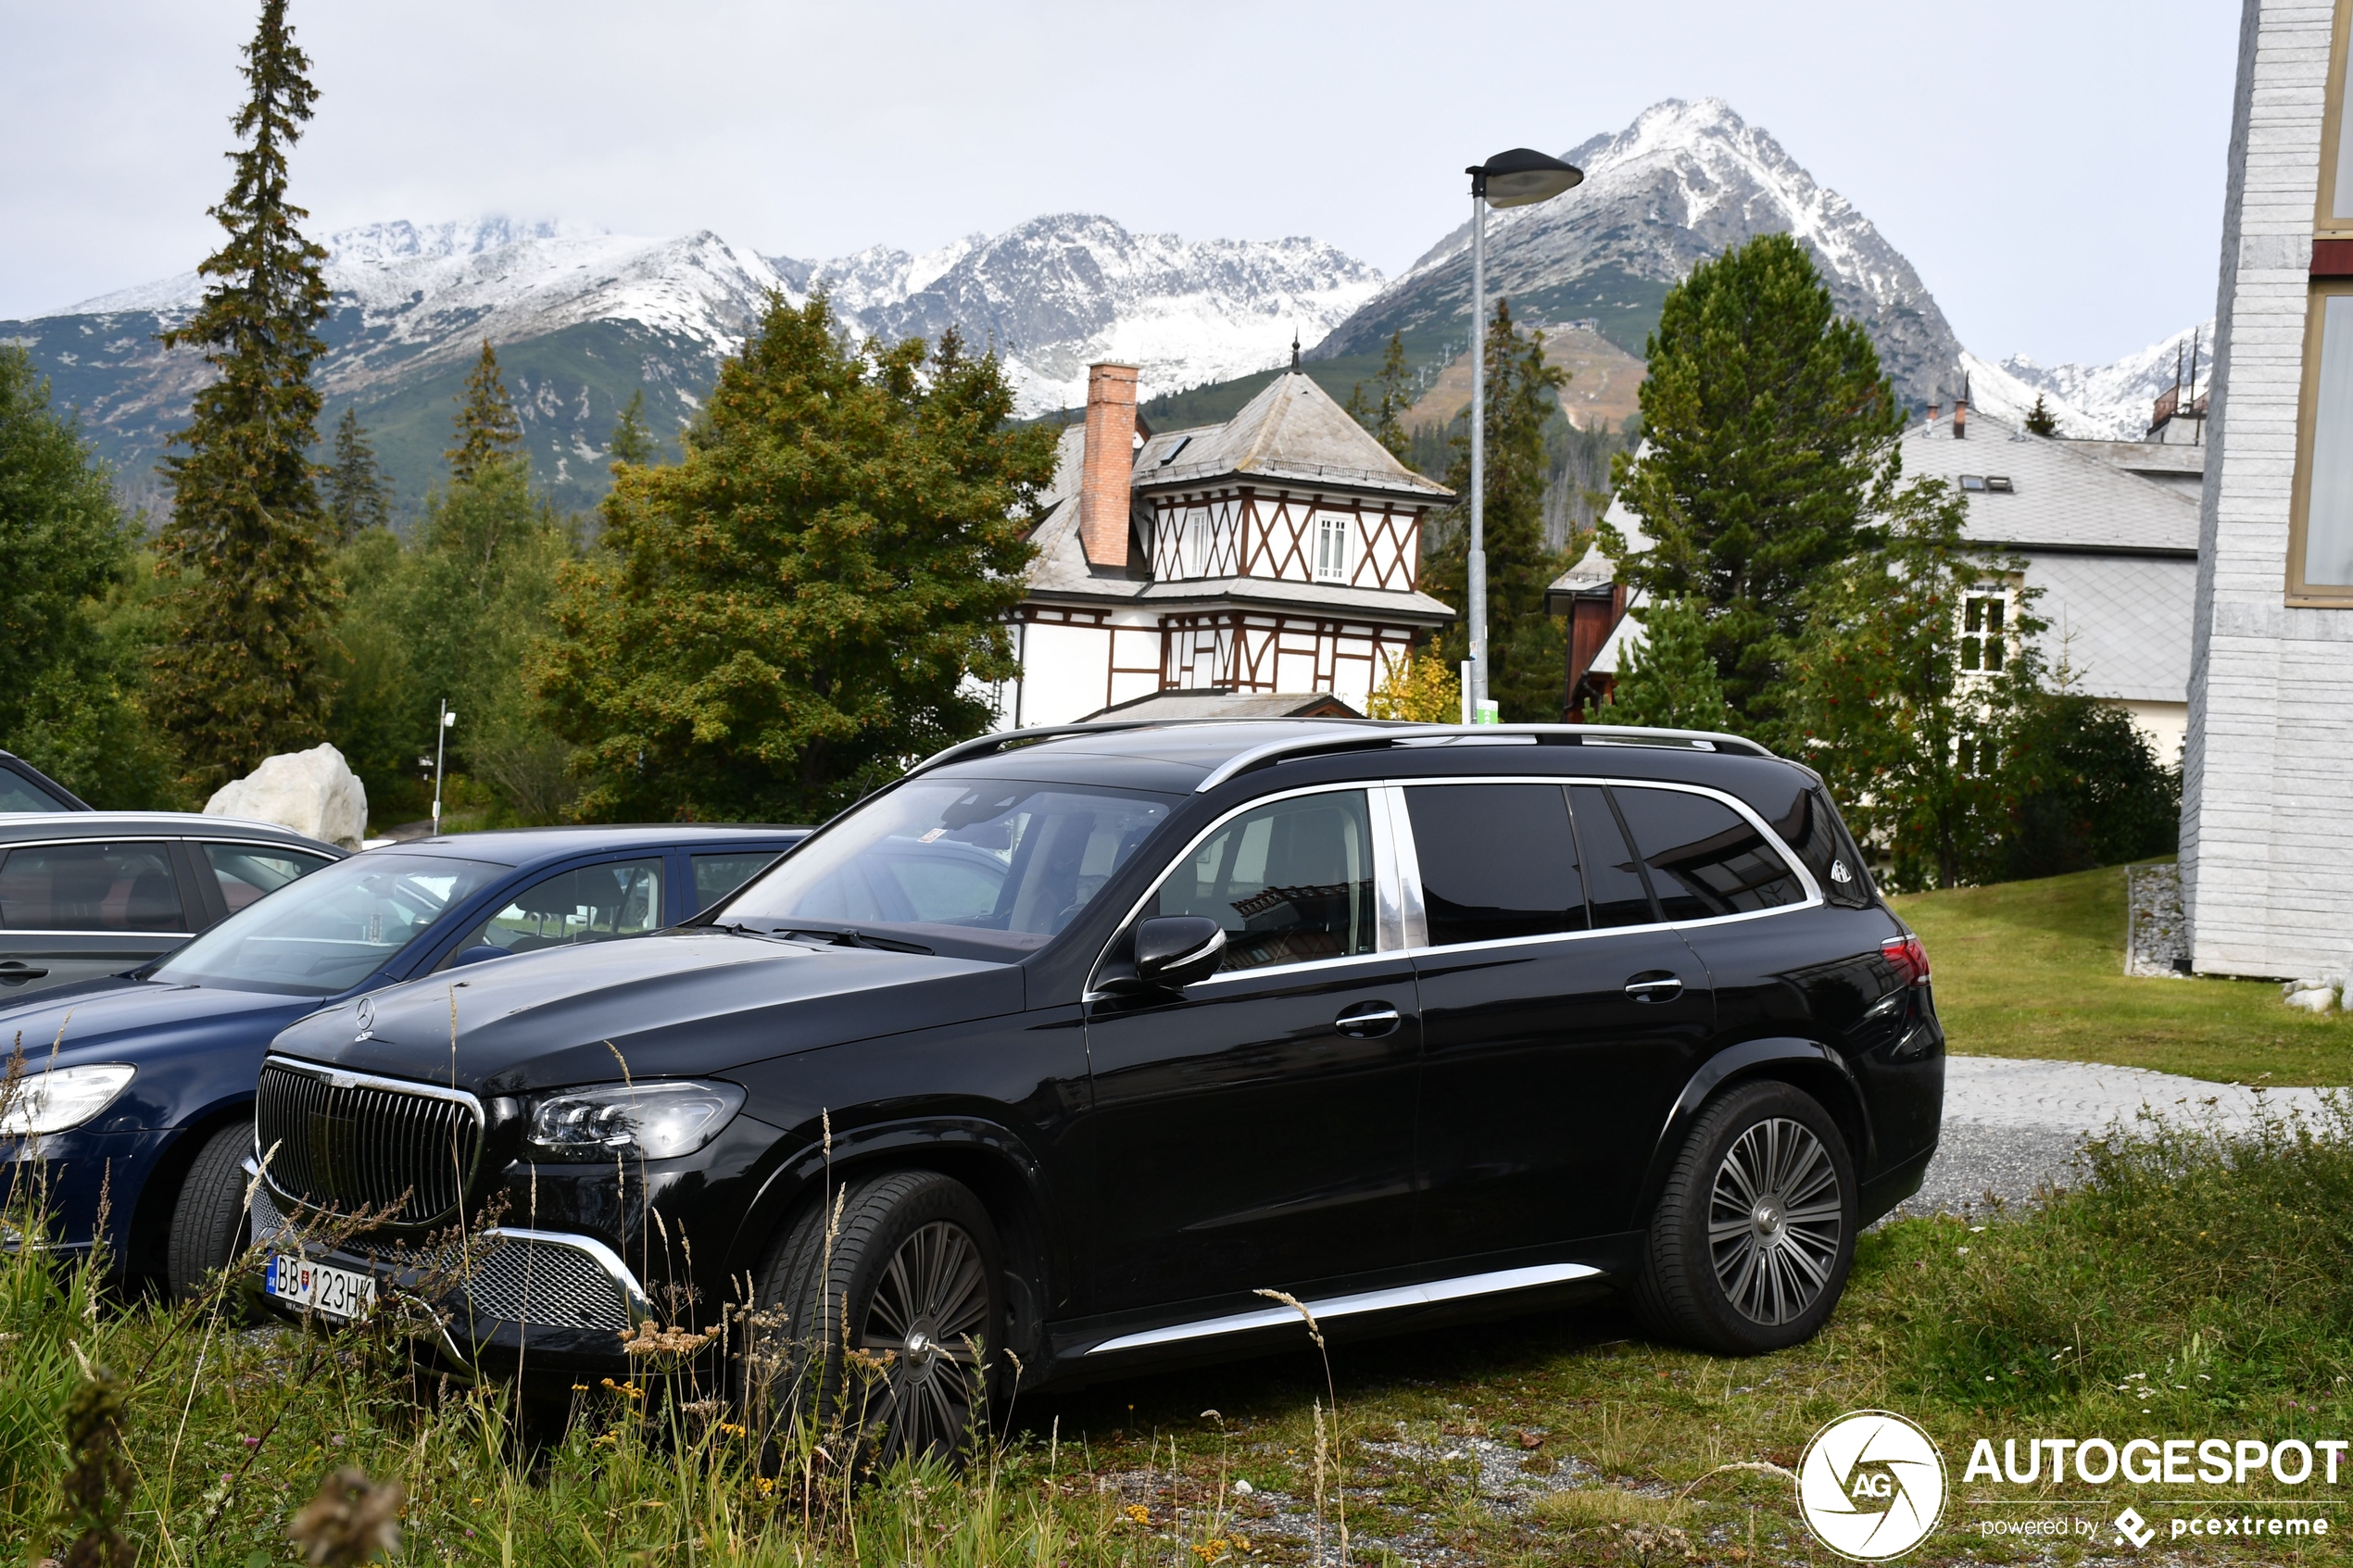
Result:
[1384,416]
[358,498]
[631,440]
[241,677]
[806,601]
[1669,680]
[2039,421]
[486,428]
[1525,641]
[1919,740]
[1772,442]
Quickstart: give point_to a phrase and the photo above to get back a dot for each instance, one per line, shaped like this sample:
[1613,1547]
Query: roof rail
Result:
[963,750]
[1570,735]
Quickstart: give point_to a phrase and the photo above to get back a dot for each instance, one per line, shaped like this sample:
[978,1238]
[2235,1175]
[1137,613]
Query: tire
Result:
[209,1216]
[1749,1246]
[913,1281]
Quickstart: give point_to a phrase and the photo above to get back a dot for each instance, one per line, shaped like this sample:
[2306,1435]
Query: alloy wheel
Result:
[1775,1219]
[929,1308]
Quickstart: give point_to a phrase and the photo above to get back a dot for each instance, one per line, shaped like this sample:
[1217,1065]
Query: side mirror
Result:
[1175,950]
[477,955]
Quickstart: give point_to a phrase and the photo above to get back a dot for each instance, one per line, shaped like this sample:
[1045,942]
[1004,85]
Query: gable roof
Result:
[1291,429]
[2061,498]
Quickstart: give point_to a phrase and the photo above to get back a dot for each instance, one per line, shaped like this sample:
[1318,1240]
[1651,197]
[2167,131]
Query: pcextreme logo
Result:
[1871,1485]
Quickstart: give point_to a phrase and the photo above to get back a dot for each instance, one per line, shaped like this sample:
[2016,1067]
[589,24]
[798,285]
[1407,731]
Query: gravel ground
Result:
[2012,1126]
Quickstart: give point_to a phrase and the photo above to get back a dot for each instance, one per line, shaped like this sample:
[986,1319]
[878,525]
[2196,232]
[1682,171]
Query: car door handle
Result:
[1657,985]
[16,971]
[1368,1021]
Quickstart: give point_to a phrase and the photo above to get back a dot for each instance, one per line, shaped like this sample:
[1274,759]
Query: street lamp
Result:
[1519,177]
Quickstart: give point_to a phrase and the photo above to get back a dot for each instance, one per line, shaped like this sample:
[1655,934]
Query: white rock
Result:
[313,792]
[1243,1488]
[2322,1000]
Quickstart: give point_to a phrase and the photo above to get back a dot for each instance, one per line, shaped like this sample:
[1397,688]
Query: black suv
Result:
[1078,1039]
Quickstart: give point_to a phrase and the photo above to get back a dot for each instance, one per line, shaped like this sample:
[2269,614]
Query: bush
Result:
[2094,792]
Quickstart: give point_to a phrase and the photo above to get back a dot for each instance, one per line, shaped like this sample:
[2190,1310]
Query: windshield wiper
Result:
[848,937]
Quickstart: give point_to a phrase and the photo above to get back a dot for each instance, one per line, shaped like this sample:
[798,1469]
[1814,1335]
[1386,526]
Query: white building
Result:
[2267,833]
[1276,553]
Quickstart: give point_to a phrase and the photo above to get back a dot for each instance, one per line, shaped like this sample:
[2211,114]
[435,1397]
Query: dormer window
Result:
[1973,482]
[1331,550]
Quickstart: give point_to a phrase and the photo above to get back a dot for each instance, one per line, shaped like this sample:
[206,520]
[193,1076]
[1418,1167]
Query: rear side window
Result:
[1497,861]
[1289,882]
[718,876]
[245,871]
[593,904]
[1704,857]
[89,886]
[1613,878]
[21,794]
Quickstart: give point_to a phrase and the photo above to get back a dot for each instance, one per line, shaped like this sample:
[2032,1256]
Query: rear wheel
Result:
[1749,1247]
[886,1328]
[209,1216]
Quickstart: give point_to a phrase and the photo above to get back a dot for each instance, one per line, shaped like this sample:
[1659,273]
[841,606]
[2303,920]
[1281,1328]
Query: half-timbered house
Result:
[1279,551]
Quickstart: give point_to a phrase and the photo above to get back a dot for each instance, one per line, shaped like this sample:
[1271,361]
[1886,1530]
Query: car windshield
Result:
[332,929]
[1016,858]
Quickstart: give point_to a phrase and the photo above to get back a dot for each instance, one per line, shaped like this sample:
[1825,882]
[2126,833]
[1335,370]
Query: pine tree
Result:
[1524,674]
[1772,442]
[2039,421]
[808,598]
[1385,416]
[358,498]
[631,440]
[242,677]
[1669,680]
[487,430]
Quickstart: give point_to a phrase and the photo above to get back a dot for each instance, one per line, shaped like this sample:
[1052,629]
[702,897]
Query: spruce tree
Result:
[631,440]
[1384,416]
[2039,421]
[487,430]
[1524,674]
[1668,680]
[358,498]
[1773,442]
[242,676]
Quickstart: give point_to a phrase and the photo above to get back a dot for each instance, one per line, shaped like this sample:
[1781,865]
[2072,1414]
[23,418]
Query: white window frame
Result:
[1332,540]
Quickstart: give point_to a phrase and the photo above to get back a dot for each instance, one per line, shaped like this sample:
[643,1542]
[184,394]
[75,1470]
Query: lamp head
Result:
[1522,177]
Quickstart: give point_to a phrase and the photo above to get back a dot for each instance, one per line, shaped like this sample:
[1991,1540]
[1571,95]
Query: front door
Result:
[1560,1016]
[1257,1131]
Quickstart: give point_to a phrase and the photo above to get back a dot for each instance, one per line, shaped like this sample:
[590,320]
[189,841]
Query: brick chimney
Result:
[1110,463]
[1960,418]
[1933,409]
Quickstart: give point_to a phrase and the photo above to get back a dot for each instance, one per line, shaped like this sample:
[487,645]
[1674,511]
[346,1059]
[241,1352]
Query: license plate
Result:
[338,1293]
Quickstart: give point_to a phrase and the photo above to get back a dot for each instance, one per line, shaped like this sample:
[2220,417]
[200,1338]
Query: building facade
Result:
[1279,551]
[2266,833]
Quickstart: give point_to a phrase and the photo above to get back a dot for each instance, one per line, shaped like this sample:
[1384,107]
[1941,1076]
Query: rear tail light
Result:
[1908,956]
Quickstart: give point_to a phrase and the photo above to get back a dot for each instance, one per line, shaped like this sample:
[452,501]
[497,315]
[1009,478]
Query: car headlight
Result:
[61,1098]
[656,1121]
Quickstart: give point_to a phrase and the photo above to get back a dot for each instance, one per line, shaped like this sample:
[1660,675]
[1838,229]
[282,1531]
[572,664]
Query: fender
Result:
[1808,1063]
[961,1138]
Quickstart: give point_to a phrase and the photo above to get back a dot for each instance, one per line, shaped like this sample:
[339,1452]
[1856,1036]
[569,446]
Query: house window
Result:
[1973,481]
[2320,552]
[2335,212]
[1193,546]
[1331,550]
[1977,757]
[1982,645]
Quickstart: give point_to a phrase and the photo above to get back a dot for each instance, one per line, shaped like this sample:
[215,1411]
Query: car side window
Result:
[591,904]
[1613,877]
[718,876]
[21,794]
[245,871]
[1705,858]
[89,886]
[1497,861]
[1289,882]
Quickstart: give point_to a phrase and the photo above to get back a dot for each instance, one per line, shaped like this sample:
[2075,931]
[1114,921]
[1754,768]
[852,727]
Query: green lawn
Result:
[2036,969]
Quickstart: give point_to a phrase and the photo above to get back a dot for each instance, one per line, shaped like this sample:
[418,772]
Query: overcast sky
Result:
[2053,168]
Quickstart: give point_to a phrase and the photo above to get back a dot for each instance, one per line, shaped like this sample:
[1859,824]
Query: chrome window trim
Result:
[343,1078]
[1409,868]
[6,932]
[1386,888]
[1426,1294]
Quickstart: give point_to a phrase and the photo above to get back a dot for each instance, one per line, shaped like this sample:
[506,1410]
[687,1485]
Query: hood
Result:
[127,1021]
[676,1004]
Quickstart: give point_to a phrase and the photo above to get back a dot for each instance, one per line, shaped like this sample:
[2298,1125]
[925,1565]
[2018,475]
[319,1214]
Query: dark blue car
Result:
[136,1091]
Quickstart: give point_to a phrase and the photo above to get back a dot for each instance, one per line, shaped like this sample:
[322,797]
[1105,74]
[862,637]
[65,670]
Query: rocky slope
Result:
[2105,402]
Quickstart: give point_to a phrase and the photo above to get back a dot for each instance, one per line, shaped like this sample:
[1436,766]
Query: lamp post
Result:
[440,749]
[1519,177]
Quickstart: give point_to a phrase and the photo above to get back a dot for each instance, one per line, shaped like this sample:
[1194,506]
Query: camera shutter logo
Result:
[1872,1486]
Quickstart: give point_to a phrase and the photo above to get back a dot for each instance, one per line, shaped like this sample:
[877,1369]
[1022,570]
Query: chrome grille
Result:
[544,1283]
[403,1153]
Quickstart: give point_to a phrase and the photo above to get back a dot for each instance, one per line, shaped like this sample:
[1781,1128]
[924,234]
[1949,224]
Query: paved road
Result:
[2011,1126]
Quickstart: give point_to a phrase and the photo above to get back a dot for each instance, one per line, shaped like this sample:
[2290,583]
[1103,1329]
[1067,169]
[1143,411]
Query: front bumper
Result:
[505,1297]
[76,1178]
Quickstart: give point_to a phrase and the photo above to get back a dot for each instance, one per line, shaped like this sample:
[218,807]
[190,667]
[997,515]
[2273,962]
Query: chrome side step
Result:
[1369,1301]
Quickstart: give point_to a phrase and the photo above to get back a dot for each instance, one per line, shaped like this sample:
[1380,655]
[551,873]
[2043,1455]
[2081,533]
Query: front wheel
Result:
[209,1216]
[1752,1236]
[887,1314]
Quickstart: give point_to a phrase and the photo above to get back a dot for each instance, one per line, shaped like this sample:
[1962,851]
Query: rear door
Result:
[1560,1014]
[84,908]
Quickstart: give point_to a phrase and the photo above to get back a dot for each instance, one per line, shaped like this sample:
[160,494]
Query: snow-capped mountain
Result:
[1674,188]
[2103,402]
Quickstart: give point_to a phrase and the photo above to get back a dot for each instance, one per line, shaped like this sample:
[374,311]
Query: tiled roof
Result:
[2061,498]
[1291,429]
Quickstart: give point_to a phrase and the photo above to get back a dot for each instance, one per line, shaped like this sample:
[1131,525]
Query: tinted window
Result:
[1613,880]
[21,794]
[718,876]
[245,871]
[592,904]
[1497,861]
[332,929]
[1289,882]
[1704,857]
[89,887]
